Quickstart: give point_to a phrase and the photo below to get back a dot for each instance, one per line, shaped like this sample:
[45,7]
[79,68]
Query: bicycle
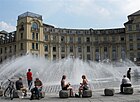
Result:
[10,90]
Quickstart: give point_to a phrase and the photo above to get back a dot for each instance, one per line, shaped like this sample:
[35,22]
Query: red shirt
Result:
[29,75]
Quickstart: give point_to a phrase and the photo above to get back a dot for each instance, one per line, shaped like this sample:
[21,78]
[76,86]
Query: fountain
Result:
[100,74]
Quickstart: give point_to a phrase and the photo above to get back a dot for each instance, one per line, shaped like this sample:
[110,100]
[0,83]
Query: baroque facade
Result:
[40,39]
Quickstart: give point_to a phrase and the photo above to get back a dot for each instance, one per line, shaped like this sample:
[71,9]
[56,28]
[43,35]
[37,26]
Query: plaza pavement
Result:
[98,96]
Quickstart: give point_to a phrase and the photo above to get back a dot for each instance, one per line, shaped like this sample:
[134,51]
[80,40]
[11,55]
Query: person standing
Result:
[29,78]
[129,73]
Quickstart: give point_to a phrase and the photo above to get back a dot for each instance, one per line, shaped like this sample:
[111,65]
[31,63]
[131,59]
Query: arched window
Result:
[34,26]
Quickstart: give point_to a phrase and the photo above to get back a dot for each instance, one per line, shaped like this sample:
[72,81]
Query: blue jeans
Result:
[29,84]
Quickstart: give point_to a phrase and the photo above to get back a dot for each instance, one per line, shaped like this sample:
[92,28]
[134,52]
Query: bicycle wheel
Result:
[12,94]
[7,92]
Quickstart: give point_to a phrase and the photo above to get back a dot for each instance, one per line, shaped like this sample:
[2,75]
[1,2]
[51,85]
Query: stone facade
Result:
[35,37]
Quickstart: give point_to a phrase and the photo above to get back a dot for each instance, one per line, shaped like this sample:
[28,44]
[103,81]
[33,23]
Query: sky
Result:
[73,14]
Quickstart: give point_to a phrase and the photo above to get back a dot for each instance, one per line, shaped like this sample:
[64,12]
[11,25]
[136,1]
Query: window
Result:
[131,56]
[122,38]
[97,56]
[5,49]
[21,35]
[0,50]
[79,39]
[113,48]
[62,56]
[71,48]
[137,27]
[46,55]
[54,49]
[71,39]
[88,39]
[131,46]
[34,26]
[130,37]
[37,46]
[5,57]
[113,39]
[114,56]
[88,48]
[0,59]
[122,48]
[105,38]
[15,48]
[105,49]
[54,57]
[138,46]
[138,55]
[138,37]
[36,36]
[36,55]
[33,46]
[45,48]
[21,28]
[96,38]
[46,37]
[129,27]
[62,38]
[79,49]
[10,49]
[97,50]
[21,46]
[54,38]
[88,57]
[63,49]
[33,36]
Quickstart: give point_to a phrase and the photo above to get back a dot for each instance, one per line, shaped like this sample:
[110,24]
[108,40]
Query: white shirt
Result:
[126,81]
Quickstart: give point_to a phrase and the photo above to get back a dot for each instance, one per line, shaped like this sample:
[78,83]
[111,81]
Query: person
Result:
[29,78]
[83,85]
[129,73]
[38,88]
[66,86]
[125,83]
[19,86]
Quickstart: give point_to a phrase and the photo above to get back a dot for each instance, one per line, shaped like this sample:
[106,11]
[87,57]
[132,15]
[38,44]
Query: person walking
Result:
[29,78]
[129,73]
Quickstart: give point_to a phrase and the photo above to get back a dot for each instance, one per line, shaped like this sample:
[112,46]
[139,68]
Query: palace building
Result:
[33,36]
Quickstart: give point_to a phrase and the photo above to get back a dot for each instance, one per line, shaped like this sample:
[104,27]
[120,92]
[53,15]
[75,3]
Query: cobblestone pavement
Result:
[98,96]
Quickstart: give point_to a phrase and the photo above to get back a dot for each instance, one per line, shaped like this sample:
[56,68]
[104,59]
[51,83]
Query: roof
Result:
[30,14]
[135,13]
[47,25]
[3,32]
[129,22]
